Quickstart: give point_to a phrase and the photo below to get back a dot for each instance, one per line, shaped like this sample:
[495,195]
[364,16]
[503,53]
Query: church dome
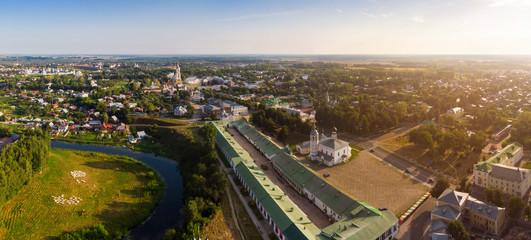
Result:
[314,131]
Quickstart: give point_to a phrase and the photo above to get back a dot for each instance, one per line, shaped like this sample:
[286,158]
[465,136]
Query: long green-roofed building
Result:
[354,219]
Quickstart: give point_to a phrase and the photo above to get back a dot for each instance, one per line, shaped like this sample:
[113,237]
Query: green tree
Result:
[283,133]
[477,141]
[5,132]
[104,117]
[439,187]
[527,212]
[494,196]
[521,129]
[515,206]
[457,230]
[464,185]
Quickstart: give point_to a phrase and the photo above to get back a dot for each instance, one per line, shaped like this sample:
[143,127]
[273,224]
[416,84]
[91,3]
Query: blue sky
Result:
[265,27]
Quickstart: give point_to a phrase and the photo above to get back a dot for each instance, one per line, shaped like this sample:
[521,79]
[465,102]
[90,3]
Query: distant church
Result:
[177,76]
[326,150]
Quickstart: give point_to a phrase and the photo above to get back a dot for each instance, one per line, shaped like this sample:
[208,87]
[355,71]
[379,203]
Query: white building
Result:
[456,111]
[196,96]
[330,151]
[192,80]
[499,171]
[180,111]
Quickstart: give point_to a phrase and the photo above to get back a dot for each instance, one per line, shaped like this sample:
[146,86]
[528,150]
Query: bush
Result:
[264,167]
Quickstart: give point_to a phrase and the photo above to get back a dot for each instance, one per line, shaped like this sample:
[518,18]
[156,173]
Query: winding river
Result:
[166,214]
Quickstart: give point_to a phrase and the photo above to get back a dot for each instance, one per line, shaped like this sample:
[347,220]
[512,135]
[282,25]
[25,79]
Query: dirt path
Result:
[234,213]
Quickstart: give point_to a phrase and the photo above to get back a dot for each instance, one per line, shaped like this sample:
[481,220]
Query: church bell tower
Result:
[314,143]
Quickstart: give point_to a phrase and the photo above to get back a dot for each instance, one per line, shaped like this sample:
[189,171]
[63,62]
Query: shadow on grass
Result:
[119,216]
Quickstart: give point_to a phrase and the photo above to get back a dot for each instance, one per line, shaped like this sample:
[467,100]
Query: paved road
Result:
[417,226]
[415,172]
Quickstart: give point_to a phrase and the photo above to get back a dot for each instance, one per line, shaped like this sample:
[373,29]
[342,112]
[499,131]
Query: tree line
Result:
[20,161]
[279,122]
[204,184]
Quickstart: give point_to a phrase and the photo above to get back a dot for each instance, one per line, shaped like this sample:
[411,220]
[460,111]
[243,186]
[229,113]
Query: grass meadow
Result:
[114,192]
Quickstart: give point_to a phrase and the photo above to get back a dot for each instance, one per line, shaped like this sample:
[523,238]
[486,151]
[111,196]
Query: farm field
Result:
[117,192]
[369,180]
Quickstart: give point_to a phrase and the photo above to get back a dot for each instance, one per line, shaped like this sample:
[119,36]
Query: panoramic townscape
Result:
[281,120]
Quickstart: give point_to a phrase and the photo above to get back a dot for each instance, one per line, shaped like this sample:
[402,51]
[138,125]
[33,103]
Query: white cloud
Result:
[386,15]
[339,10]
[418,19]
[369,14]
[261,15]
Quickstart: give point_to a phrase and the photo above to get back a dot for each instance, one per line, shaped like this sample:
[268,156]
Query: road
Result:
[415,172]
[417,226]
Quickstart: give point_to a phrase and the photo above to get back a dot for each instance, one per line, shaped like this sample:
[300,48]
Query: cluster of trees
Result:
[432,138]
[439,187]
[20,160]
[494,196]
[279,122]
[457,230]
[521,129]
[515,205]
[97,232]
[491,120]
[204,184]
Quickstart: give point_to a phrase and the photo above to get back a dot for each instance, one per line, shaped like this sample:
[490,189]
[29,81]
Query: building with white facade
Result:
[499,171]
[330,151]
[179,111]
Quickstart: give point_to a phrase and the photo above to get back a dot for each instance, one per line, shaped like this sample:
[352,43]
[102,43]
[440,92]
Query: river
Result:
[167,214]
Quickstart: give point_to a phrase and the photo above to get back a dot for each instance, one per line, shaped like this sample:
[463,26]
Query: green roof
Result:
[290,220]
[364,226]
[500,157]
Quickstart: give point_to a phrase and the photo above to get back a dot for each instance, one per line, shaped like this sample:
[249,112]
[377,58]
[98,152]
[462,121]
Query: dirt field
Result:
[314,214]
[369,180]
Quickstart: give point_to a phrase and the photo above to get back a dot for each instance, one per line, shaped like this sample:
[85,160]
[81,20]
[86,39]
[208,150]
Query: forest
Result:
[20,161]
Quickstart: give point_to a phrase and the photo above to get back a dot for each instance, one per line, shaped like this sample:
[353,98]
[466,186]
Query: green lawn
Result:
[114,193]
[527,165]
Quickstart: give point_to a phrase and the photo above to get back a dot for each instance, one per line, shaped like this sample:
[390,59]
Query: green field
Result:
[115,193]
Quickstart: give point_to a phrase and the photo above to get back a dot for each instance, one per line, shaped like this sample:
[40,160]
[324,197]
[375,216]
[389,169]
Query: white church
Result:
[326,150]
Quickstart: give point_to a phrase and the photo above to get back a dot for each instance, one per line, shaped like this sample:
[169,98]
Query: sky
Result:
[265,27]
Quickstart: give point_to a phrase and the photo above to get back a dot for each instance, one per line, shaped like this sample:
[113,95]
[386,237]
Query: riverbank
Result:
[117,192]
